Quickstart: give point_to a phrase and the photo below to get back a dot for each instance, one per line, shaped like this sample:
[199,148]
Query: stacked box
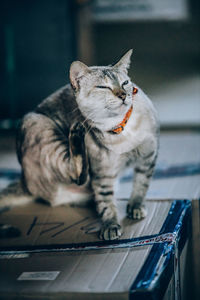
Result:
[55,253]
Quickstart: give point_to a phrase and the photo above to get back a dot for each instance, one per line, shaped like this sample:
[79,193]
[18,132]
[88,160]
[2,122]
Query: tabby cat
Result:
[82,136]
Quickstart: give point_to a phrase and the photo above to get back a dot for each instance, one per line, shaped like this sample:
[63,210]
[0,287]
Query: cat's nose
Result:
[121,94]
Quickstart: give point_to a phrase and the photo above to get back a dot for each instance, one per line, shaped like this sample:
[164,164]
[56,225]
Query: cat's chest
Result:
[128,140]
[110,158]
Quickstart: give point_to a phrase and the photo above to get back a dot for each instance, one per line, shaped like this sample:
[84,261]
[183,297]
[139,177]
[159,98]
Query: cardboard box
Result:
[59,255]
[196,245]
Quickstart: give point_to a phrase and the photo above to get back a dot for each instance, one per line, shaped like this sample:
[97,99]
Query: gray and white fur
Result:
[68,155]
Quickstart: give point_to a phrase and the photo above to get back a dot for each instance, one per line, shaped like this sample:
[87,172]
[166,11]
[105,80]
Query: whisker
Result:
[75,109]
[83,123]
[90,128]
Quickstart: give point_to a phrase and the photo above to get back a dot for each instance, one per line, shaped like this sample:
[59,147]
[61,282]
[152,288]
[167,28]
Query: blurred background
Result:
[40,39]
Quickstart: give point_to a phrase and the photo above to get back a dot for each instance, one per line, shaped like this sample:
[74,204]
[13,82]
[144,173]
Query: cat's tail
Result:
[14,195]
[74,195]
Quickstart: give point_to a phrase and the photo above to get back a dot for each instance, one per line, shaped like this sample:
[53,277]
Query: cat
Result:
[74,144]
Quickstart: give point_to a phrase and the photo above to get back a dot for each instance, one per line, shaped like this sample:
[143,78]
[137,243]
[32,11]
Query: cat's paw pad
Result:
[76,137]
[136,211]
[78,130]
[110,232]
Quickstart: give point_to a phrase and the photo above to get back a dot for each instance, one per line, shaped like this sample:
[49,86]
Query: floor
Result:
[176,149]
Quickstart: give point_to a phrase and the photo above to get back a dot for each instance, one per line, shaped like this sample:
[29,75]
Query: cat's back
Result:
[61,105]
[59,109]
[50,120]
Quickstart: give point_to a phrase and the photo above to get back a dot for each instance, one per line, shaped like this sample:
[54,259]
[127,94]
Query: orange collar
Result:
[120,127]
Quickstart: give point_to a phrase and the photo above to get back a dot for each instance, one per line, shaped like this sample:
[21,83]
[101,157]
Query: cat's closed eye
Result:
[125,83]
[103,87]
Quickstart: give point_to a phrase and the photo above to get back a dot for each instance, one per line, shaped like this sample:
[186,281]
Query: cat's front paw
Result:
[136,211]
[110,231]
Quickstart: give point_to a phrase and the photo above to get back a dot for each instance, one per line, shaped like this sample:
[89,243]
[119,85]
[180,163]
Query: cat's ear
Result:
[77,70]
[125,61]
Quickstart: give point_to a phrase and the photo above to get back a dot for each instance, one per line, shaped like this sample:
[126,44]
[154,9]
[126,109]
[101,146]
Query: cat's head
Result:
[103,94]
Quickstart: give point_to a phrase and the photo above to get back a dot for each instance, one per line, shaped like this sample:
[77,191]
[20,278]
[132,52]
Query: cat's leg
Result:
[103,188]
[50,160]
[143,172]
[78,161]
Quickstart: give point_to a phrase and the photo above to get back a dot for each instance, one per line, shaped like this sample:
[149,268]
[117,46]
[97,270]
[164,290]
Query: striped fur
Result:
[66,142]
